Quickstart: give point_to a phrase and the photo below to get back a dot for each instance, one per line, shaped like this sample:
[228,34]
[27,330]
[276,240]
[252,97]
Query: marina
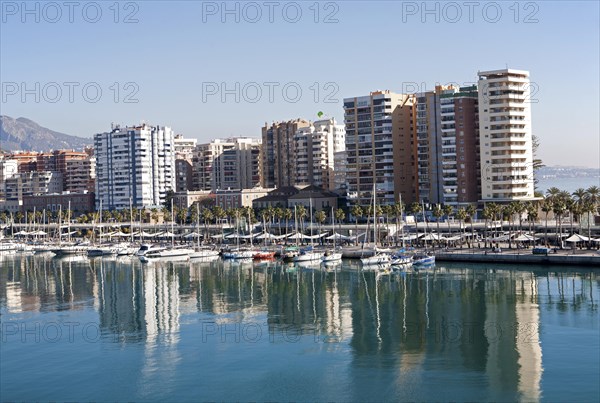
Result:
[177,330]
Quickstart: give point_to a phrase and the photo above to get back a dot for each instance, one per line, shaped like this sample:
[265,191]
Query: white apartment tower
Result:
[505,135]
[227,164]
[136,163]
[315,147]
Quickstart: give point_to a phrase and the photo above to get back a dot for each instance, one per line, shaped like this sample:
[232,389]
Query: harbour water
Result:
[116,330]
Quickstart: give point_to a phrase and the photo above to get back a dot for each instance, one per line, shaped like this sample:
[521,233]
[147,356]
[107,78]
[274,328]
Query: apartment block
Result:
[77,168]
[136,163]
[314,153]
[32,184]
[233,163]
[506,152]
[381,147]
[278,152]
[184,156]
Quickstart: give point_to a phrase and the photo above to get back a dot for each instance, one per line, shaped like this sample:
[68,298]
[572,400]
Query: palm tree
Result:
[559,207]
[206,216]
[397,210]
[461,214]
[301,214]
[488,213]
[471,211]
[448,210]
[340,216]
[287,215]
[181,215]
[520,208]
[508,211]
[437,212]
[593,196]
[320,217]
[219,214]
[532,215]
[357,212]
[589,209]
[546,207]
[19,216]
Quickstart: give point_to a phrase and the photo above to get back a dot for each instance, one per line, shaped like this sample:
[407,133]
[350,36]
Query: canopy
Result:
[267,235]
[577,238]
[37,233]
[526,238]
[145,234]
[337,237]
[22,233]
[432,237]
[191,235]
[167,234]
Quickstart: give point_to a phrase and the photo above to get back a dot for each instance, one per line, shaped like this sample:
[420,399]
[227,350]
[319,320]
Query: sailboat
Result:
[200,252]
[172,252]
[308,254]
[238,252]
[332,255]
[377,257]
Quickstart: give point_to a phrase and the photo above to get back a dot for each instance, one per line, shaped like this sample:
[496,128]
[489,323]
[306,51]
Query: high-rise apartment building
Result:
[506,149]
[278,152]
[136,163]
[314,153]
[381,147]
[227,164]
[459,141]
[428,131]
[184,156]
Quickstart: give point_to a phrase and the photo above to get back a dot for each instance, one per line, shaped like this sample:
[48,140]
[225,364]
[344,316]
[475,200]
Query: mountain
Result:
[26,135]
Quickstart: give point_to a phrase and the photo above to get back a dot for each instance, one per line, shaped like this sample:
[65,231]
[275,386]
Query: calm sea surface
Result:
[117,330]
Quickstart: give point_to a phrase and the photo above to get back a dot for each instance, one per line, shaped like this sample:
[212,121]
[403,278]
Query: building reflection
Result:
[137,302]
[44,284]
[483,323]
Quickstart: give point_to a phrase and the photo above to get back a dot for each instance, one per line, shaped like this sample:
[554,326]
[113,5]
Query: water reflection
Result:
[485,324]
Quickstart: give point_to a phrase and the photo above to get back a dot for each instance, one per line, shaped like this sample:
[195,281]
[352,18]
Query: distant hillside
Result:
[24,134]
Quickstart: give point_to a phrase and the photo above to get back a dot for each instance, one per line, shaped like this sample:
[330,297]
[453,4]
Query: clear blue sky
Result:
[175,47]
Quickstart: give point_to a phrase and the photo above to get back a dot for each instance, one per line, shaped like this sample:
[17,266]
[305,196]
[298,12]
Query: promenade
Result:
[563,257]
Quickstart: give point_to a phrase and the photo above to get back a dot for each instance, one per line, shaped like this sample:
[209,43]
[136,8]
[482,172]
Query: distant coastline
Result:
[567,178]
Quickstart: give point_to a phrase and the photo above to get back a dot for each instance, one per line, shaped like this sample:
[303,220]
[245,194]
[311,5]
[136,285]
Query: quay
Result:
[562,257]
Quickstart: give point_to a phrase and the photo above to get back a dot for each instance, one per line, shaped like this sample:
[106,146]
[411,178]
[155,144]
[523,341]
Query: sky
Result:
[214,69]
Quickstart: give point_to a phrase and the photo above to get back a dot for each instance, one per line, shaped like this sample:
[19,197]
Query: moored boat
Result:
[380,258]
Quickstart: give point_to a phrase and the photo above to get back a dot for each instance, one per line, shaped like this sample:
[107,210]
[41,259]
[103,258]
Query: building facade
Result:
[278,152]
[227,164]
[134,163]
[380,147]
[236,198]
[314,153]
[184,156]
[506,147]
